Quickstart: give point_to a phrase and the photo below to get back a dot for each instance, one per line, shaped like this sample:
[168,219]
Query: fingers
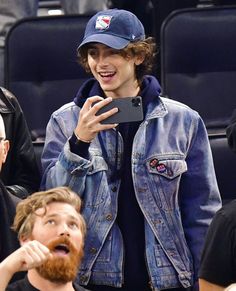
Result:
[102,116]
[105,115]
[34,254]
[99,104]
[90,101]
[89,124]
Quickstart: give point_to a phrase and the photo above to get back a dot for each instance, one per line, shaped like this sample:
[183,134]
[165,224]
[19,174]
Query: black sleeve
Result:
[218,258]
[79,147]
[231,132]
[20,172]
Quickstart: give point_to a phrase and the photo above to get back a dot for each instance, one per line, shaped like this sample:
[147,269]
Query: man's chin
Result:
[63,266]
[59,269]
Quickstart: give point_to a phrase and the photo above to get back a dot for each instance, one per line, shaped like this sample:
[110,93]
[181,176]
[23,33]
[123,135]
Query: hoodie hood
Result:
[90,88]
[150,90]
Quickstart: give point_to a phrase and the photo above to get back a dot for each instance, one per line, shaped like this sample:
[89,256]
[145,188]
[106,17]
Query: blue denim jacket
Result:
[175,186]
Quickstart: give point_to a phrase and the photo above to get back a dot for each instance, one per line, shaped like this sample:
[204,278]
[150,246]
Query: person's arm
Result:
[20,172]
[199,194]
[207,286]
[60,162]
[217,265]
[231,287]
[32,254]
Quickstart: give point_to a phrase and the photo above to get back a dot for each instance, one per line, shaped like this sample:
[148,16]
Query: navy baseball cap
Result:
[113,27]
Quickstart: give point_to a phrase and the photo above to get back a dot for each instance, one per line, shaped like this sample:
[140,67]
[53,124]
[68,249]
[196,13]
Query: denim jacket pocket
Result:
[164,179]
[167,167]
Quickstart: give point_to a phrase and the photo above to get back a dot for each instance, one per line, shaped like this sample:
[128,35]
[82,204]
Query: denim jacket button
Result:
[151,285]
[158,221]
[114,189]
[185,283]
[93,250]
[83,279]
[109,217]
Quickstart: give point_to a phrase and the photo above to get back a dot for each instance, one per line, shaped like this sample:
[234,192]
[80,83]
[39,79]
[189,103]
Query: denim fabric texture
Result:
[175,186]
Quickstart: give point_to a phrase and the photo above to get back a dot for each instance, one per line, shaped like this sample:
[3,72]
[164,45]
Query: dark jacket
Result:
[8,238]
[20,172]
[8,241]
[231,132]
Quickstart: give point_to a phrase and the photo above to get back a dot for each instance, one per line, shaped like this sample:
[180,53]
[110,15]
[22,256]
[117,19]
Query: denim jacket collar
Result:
[156,109]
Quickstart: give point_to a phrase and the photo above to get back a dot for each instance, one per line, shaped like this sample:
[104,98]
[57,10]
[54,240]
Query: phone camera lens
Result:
[136,102]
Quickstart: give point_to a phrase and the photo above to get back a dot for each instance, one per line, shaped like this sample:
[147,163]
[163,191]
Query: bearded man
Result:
[51,232]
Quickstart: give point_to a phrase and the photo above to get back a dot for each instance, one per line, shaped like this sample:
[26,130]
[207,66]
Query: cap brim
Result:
[107,39]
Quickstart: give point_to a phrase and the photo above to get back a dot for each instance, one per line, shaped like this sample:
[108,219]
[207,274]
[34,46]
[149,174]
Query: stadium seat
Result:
[198,61]
[225,166]
[199,69]
[38,149]
[41,66]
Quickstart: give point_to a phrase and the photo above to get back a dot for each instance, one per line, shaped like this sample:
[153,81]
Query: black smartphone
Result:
[129,109]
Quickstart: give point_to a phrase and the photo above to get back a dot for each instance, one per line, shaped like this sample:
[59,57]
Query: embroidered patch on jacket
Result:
[103,22]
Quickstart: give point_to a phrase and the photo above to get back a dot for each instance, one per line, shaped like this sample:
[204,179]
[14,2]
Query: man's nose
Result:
[64,230]
[102,59]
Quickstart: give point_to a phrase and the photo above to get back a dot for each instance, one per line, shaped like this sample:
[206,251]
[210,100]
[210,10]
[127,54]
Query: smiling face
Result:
[115,73]
[60,230]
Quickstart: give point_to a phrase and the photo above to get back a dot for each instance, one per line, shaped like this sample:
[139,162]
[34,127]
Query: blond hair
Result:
[25,211]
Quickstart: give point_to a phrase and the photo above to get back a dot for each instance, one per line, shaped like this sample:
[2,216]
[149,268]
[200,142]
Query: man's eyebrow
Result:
[54,215]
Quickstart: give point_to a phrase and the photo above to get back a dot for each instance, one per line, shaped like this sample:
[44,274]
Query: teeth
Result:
[108,74]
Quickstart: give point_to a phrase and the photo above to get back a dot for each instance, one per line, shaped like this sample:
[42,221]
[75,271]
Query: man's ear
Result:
[6,146]
[139,59]
[24,240]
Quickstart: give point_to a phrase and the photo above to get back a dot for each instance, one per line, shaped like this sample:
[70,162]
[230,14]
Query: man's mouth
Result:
[61,249]
[107,74]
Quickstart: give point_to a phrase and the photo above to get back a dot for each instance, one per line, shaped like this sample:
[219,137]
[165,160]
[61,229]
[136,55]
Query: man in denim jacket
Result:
[148,187]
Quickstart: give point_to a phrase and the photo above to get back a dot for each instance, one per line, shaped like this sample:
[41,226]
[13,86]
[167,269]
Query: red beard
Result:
[61,269]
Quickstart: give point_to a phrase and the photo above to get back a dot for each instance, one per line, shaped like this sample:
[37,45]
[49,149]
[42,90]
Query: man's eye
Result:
[73,225]
[50,221]
[92,52]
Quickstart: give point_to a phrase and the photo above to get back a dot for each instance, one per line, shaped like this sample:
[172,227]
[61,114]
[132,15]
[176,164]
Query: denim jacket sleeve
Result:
[60,165]
[199,193]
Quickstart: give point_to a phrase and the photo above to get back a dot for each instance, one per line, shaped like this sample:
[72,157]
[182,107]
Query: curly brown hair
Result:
[145,48]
